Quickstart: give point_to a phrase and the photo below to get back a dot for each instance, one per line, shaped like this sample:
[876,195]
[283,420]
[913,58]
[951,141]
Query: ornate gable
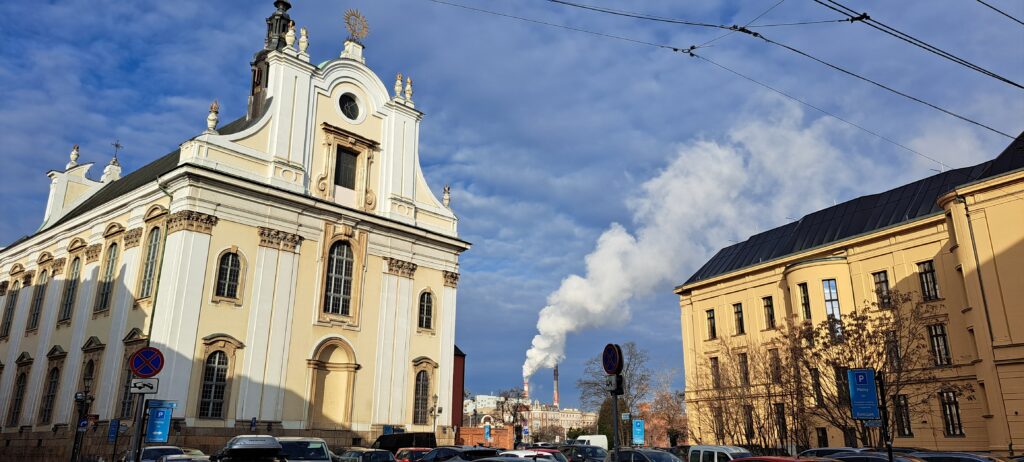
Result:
[134,335]
[24,359]
[56,353]
[93,344]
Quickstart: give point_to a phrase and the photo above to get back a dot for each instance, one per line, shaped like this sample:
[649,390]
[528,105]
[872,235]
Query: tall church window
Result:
[149,265]
[14,414]
[426,318]
[52,384]
[929,284]
[12,303]
[127,398]
[107,283]
[67,304]
[345,168]
[421,399]
[338,287]
[228,271]
[38,296]
[215,380]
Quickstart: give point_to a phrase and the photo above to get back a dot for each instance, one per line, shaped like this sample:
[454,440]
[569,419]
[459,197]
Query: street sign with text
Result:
[863,394]
[638,432]
[143,386]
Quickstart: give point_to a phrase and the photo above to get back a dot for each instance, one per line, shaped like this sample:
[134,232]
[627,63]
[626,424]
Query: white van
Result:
[593,440]
[716,453]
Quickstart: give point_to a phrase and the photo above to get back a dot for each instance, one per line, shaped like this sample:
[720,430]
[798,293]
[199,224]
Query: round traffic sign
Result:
[611,359]
[146,362]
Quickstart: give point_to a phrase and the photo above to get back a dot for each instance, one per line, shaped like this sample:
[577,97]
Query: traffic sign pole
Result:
[884,409]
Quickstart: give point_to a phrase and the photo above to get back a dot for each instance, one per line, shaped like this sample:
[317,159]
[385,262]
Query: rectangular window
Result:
[712,330]
[882,289]
[780,422]
[893,353]
[748,422]
[737,312]
[719,426]
[744,369]
[842,385]
[716,375]
[769,312]
[951,413]
[929,285]
[345,169]
[828,286]
[902,415]
[776,364]
[822,437]
[819,398]
[940,344]
[805,300]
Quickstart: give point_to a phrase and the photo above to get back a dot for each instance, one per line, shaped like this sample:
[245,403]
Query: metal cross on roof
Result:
[117,147]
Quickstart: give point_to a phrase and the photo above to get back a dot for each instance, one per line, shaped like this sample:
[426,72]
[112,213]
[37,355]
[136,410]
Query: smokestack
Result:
[556,387]
[526,389]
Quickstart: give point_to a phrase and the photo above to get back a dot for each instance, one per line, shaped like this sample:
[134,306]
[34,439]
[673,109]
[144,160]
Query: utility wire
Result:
[836,67]
[690,51]
[733,30]
[1002,12]
[843,9]
[803,23]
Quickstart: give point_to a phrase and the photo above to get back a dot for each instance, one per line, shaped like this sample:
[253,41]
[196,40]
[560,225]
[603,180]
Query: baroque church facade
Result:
[293,266]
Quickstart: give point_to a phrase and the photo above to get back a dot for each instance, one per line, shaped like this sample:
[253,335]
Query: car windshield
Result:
[559,457]
[155,453]
[593,452]
[658,456]
[304,450]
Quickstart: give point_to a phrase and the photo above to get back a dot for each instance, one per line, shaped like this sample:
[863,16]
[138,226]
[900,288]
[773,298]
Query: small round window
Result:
[349,106]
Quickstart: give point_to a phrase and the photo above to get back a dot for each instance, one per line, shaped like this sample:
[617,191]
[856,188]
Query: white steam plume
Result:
[711,192]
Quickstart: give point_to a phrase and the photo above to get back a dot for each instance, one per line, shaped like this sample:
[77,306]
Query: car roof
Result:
[300,438]
[366,450]
[777,458]
[415,449]
[718,448]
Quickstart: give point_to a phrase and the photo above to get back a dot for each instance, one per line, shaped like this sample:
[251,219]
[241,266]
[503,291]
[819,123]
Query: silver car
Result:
[307,449]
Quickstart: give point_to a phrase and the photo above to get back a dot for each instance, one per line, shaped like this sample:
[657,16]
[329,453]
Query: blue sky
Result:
[558,144]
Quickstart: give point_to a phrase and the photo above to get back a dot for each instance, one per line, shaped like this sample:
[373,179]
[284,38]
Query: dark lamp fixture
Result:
[87,382]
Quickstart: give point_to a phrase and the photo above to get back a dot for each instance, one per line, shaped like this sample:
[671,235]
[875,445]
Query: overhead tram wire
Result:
[802,53]
[734,30]
[849,12]
[1002,12]
[690,51]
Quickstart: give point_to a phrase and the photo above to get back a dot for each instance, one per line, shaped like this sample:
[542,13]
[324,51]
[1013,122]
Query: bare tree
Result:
[509,406]
[548,433]
[636,380]
[667,410]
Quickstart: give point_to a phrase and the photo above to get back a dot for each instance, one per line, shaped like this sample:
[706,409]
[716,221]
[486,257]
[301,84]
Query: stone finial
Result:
[289,37]
[303,40]
[112,172]
[447,197]
[398,85]
[408,88]
[213,118]
[74,158]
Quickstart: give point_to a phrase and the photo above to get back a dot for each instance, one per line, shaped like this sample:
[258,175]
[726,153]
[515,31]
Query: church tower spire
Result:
[277,26]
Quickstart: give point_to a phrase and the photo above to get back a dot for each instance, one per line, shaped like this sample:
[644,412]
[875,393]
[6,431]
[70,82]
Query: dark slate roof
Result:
[858,216]
[458,351]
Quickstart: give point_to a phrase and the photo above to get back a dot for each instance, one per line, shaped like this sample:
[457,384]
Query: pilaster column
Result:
[176,312]
[84,302]
[446,357]
[109,391]
[394,333]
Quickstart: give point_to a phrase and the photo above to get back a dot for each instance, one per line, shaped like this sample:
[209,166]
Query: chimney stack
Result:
[526,389]
[556,387]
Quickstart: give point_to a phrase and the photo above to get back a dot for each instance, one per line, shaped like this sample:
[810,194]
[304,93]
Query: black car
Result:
[367,455]
[457,453]
[581,453]
[643,455]
[396,441]
[866,456]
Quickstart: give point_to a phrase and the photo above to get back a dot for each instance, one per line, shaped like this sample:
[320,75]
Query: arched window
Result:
[149,264]
[426,311]
[52,384]
[421,399]
[67,304]
[12,303]
[88,374]
[14,415]
[103,296]
[215,381]
[227,275]
[38,296]
[338,289]
[127,398]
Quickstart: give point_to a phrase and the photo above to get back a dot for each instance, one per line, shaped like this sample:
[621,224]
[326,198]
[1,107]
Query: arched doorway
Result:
[333,370]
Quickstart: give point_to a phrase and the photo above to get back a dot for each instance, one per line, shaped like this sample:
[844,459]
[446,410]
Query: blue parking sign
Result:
[863,394]
[638,432]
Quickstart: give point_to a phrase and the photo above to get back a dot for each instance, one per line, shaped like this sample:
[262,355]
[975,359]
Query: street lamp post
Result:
[84,400]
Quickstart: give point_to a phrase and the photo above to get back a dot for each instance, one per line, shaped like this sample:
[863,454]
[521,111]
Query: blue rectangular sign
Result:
[152,403]
[112,428]
[158,427]
[487,432]
[863,394]
[638,432]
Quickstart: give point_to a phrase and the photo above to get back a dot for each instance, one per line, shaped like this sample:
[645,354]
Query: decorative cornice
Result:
[190,220]
[26,278]
[92,253]
[58,266]
[24,359]
[44,257]
[93,344]
[451,279]
[17,268]
[400,268]
[3,287]
[277,239]
[132,238]
[113,229]
[56,353]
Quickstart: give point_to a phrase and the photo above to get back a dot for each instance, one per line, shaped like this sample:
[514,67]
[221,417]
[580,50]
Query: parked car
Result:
[783,459]
[593,440]
[308,449]
[411,454]
[902,450]
[825,452]
[581,453]
[396,441]
[152,453]
[529,454]
[192,452]
[957,457]
[183,458]
[642,455]
[457,453]
[869,456]
[681,451]
[702,453]
[367,455]
[249,448]
[559,457]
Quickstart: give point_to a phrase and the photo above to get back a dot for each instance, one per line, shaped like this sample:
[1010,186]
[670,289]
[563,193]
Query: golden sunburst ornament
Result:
[356,25]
